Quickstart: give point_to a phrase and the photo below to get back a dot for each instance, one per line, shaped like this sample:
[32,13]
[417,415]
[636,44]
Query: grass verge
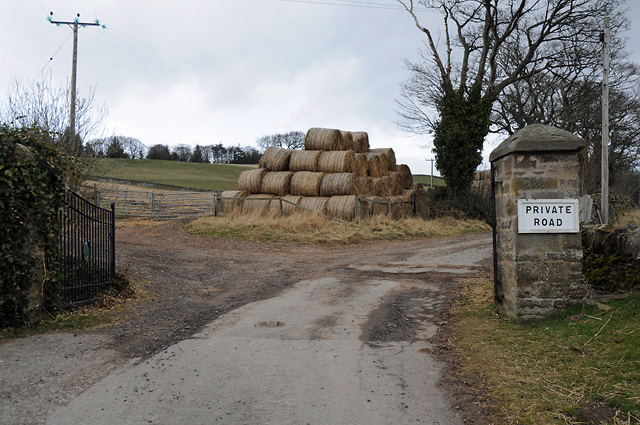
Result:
[88,316]
[305,228]
[559,371]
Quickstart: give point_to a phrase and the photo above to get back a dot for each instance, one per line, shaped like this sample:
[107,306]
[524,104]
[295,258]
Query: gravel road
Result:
[238,332]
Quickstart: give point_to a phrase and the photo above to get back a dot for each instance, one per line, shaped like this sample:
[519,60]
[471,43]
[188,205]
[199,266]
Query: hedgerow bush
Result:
[33,172]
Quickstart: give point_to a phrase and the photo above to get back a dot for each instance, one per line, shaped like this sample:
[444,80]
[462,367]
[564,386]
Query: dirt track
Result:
[187,282]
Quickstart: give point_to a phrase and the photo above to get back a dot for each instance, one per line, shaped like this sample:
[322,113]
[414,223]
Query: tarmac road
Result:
[322,352]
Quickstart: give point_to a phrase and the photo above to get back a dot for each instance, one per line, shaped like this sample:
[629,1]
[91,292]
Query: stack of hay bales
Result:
[326,176]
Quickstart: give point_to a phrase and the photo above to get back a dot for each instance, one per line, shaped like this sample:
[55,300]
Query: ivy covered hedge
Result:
[33,173]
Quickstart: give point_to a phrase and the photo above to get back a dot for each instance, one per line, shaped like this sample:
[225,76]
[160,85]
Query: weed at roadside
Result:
[304,228]
[556,370]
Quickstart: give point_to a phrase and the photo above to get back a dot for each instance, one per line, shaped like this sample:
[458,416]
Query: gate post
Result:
[537,245]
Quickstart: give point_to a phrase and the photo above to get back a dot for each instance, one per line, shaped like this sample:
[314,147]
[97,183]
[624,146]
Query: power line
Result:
[54,55]
[355,3]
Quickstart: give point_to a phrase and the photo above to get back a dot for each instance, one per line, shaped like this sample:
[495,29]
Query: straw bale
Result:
[375,165]
[323,139]
[228,205]
[314,204]
[401,206]
[260,205]
[347,141]
[407,177]
[277,182]
[342,207]
[396,183]
[251,180]
[366,207]
[362,166]
[382,186]
[337,162]
[287,207]
[338,184]
[304,160]
[306,183]
[360,141]
[275,159]
[391,157]
[381,206]
[365,186]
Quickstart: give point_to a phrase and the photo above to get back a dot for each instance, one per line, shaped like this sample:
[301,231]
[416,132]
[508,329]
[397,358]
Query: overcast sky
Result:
[230,71]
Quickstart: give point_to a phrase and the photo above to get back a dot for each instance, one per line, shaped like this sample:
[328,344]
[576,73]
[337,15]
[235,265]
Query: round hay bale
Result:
[257,203]
[287,204]
[342,207]
[382,186]
[381,205]
[391,157]
[275,159]
[374,165]
[304,160]
[407,177]
[366,207]
[287,208]
[360,141]
[251,180]
[396,183]
[337,162]
[277,182]
[323,139]
[338,184]
[365,186]
[315,204]
[362,166]
[229,201]
[347,141]
[306,183]
[401,206]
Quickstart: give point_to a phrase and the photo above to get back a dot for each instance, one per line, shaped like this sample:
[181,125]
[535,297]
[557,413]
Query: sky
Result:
[230,71]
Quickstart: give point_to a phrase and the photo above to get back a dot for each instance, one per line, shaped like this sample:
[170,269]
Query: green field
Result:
[425,179]
[172,173]
[187,174]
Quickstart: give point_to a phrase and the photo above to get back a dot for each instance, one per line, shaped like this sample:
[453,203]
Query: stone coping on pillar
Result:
[538,138]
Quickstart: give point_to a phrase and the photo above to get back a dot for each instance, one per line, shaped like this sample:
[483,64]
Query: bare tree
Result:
[487,46]
[41,103]
[290,140]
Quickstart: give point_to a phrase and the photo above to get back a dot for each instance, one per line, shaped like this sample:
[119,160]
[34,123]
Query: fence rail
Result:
[87,244]
[159,206]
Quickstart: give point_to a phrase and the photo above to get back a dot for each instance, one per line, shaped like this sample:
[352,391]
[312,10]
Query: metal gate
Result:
[88,249]
[159,206]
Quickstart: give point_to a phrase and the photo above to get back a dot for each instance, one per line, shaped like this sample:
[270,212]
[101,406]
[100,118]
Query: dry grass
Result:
[546,373]
[628,217]
[308,228]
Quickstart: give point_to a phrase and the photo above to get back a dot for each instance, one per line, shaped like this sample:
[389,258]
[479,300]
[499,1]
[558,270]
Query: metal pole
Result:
[605,127]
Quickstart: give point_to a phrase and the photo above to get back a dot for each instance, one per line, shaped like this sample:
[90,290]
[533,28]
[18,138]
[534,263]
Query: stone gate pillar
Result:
[537,246]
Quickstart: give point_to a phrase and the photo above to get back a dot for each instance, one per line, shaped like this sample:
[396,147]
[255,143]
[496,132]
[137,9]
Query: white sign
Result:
[548,216]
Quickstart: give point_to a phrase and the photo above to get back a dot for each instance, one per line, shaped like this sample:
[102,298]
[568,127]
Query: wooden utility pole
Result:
[74,64]
[605,126]
[431,170]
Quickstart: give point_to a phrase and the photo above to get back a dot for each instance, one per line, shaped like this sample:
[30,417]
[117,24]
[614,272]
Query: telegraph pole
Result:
[605,126]
[427,159]
[74,65]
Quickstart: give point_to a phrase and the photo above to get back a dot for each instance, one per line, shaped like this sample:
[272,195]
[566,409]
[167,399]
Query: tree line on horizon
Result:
[130,147]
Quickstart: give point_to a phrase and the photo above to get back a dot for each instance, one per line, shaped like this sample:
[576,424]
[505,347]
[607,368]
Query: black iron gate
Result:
[88,248]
